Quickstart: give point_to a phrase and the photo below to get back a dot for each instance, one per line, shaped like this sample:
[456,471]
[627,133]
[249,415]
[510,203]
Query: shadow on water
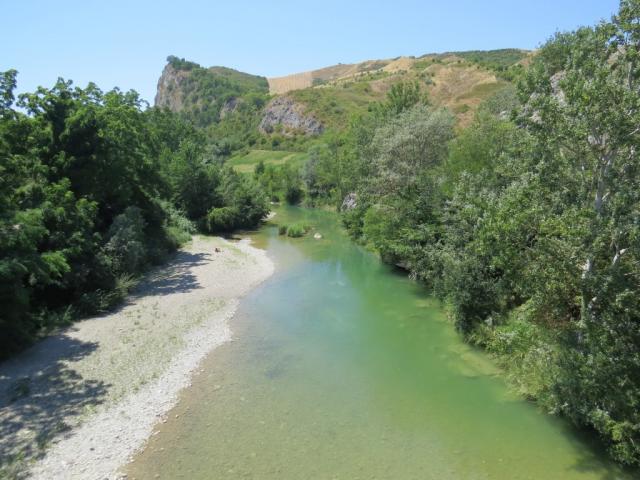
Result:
[36,404]
[591,459]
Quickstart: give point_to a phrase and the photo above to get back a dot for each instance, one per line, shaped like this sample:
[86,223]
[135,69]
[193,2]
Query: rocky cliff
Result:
[207,95]
[285,114]
[170,91]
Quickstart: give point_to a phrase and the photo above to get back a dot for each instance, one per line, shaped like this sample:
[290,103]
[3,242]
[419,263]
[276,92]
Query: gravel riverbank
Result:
[80,403]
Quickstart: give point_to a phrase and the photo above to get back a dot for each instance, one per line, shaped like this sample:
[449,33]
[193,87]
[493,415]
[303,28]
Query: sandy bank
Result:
[79,404]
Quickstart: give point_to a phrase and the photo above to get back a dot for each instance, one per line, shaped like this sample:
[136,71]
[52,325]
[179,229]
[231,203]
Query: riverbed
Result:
[342,368]
[79,403]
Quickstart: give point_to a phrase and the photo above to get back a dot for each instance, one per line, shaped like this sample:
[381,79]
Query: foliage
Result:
[237,127]
[249,161]
[206,92]
[335,105]
[245,81]
[296,230]
[124,245]
[93,190]
[181,63]
[281,182]
[584,120]
[245,197]
[505,62]
[402,96]
[221,219]
[527,223]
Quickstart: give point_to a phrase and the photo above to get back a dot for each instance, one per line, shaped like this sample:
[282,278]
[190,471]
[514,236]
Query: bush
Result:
[103,300]
[525,350]
[293,194]
[177,228]
[222,219]
[125,246]
[296,230]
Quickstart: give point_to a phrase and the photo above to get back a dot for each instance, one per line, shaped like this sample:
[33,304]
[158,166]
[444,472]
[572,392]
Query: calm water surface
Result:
[343,369]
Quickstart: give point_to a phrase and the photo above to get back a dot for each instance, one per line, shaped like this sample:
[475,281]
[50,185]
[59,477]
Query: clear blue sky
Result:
[125,43]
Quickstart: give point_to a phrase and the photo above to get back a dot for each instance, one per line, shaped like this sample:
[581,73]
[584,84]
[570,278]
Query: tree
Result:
[402,96]
[7,86]
[583,110]
[87,181]
[400,196]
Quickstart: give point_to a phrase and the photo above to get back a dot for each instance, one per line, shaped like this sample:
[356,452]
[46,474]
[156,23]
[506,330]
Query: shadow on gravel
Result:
[36,404]
[174,278]
[42,397]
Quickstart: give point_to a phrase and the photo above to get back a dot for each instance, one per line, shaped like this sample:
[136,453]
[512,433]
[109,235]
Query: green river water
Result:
[341,368]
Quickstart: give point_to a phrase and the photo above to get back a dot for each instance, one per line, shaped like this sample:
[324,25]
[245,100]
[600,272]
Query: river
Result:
[341,368]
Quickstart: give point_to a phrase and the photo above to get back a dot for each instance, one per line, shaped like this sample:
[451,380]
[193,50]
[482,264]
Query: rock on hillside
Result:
[170,91]
[290,116]
[230,106]
[206,94]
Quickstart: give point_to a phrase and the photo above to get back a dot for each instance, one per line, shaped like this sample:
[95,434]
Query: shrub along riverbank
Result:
[527,223]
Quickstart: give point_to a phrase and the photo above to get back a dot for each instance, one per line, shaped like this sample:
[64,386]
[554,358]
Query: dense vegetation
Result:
[93,190]
[229,105]
[527,223]
[207,92]
[505,62]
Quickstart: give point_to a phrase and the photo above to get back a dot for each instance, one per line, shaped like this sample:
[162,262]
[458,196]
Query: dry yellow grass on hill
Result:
[461,88]
[401,64]
[342,71]
[297,81]
[448,79]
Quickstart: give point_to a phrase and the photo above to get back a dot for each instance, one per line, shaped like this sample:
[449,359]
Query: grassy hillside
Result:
[246,163]
[494,59]
[230,103]
[448,80]
[243,80]
[298,81]
[334,104]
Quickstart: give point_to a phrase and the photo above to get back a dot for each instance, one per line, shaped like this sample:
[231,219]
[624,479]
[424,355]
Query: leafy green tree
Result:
[87,181]
[399,195]
[583,110]
[323,172]
[402,96]
[529,228]
[7,86]
[194,181]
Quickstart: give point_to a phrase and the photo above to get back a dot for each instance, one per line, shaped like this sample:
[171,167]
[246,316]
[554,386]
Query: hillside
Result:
[459,81]
[456,80]
[499,61]
[206,94]
[246,163]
